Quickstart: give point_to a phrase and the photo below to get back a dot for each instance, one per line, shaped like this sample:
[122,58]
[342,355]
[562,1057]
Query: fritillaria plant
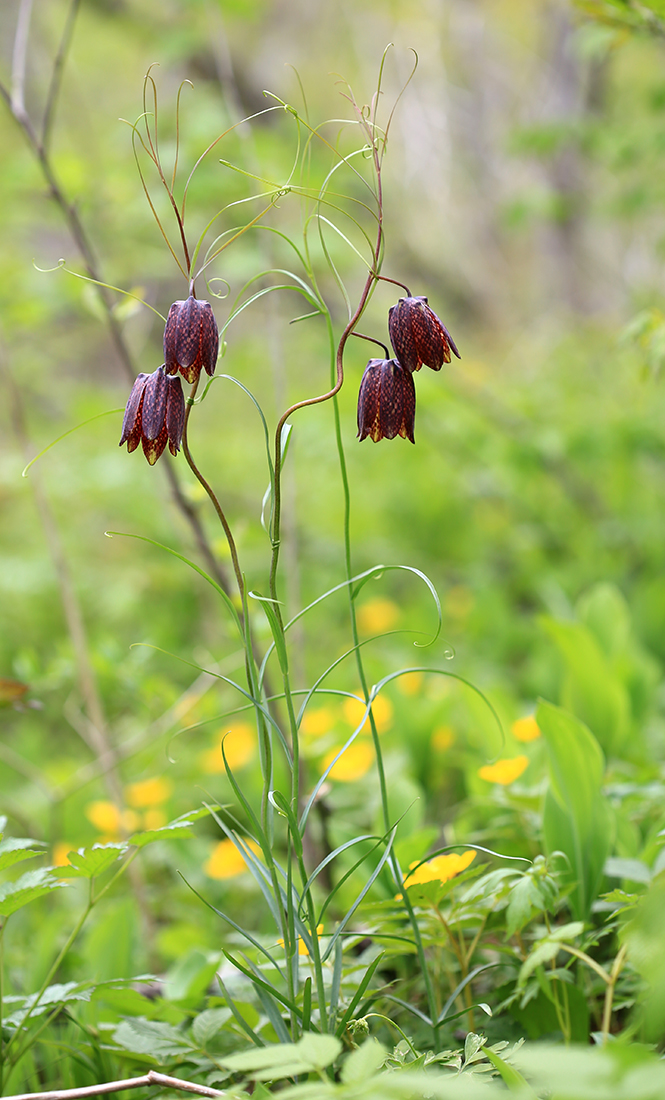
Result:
[158,414]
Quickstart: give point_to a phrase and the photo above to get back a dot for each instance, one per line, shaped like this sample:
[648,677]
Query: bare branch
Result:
[56,75]
[151,1078]
[19,58]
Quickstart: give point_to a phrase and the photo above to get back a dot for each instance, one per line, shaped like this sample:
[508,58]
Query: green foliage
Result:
[387,847]
[576,819]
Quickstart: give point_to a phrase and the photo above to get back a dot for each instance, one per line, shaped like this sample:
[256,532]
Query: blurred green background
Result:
[524,196]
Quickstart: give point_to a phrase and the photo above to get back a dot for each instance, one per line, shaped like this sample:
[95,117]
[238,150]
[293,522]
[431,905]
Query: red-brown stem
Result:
[209,490]
[385,279]
[372,340]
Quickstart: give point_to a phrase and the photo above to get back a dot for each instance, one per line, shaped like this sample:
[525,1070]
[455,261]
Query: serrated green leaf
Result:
[208,1023]
[363,1063]
[153,1037]
[180,827]
[15,849]
[312,1052]
[542,954]
[59,993]
[90,862]
[31,885]
[511,1077]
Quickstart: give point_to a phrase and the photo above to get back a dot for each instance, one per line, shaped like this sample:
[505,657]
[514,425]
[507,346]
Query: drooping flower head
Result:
[191,339]
[418,336]
[386,402]
[155,415]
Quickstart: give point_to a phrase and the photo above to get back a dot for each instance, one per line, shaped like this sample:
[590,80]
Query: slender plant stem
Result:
[209,490]
[617,967]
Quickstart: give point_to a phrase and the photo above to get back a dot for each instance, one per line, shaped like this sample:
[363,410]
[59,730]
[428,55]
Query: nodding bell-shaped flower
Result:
[386,402]
[418,336]
[155,415]
[191,339]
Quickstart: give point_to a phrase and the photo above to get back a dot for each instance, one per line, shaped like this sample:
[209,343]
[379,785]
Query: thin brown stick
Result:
[39,147]
[150,1078]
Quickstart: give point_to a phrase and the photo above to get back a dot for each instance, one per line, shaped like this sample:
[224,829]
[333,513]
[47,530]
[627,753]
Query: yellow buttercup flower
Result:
[504,771]
[317,721]
[60,853]
[382,709]
[442,738]
[377,615]
[302,950]
[154,819]
[354,763]
[105,816]
[149,792]
[410,683]
[526,729]
[239,747]
[226,861]
[111,821]
[440,868]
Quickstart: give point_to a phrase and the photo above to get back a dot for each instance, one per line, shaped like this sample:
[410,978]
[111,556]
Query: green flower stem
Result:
[215,503]
[617,967]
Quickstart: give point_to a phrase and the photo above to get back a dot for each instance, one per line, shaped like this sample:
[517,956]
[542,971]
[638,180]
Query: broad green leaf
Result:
[15,849]
[631,869]
[522,898]
[152,1037]
[60,993]
[31,885]
[511,1077]
[542,954]
[363,1063]
[591,688]
[587,1073]
[180,827]
[90,862]
[208,1023]
[576,819]
[311,1053]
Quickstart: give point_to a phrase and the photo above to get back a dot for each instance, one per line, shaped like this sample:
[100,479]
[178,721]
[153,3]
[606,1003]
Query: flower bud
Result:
[155,415]
[191,339]
[418,336]
[386,402]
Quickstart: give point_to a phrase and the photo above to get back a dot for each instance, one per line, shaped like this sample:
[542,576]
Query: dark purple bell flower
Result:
[155,415]
[191,339]
[386,402]
[418,336]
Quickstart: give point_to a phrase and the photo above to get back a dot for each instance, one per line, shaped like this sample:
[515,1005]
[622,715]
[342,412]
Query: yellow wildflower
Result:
[410,683]
[353,764]
[526,729]
[239,746]
[504,771]
[377,615]
[226,861]
[149,792]
[317,721]
[442,738]
[154,819]
[382,709]
[302,950]
[60,854]
[440,868]
[105,816]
